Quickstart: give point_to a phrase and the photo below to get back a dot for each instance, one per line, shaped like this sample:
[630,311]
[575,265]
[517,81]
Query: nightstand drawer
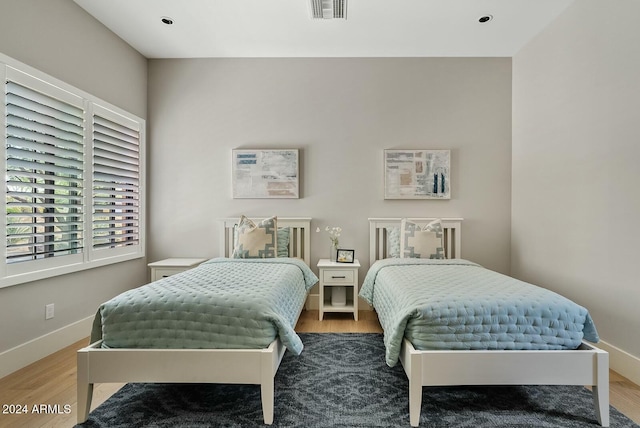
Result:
[337,276]
[159,273]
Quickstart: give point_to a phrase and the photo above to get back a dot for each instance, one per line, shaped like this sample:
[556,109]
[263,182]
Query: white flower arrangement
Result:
[334,233]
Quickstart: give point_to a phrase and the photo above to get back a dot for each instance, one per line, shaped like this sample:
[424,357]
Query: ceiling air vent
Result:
[328,9]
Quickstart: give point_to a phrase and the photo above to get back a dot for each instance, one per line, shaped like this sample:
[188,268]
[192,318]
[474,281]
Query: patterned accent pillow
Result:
[393,242]
[425,243]
[283,242]
[256,240]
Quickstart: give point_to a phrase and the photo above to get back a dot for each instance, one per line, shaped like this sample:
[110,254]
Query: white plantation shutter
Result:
[116,181]
[44,175]
[74,168]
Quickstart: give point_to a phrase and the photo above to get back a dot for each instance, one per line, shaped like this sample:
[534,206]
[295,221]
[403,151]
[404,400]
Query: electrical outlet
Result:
[48,311]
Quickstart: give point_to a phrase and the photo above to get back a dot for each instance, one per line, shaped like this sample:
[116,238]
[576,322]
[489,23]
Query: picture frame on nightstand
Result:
[345,256]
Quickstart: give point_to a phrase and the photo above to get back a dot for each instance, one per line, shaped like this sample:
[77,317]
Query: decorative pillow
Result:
[425,243]
[283,242]
[393,242]
[256,240]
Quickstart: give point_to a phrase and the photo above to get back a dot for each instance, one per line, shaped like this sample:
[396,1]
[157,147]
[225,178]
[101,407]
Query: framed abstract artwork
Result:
[417,174]
[265,174]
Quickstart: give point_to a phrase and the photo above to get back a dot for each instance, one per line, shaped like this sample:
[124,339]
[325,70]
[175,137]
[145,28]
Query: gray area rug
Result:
[341,380]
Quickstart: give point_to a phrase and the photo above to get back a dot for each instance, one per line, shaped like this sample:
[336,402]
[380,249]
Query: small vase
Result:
[333,252]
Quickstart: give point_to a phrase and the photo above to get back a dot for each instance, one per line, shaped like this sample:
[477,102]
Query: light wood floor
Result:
[52,380]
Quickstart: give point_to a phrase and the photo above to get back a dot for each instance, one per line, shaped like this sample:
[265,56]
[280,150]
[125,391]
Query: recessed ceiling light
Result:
[166,20]
[485,18]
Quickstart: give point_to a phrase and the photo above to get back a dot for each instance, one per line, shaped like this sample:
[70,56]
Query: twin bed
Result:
[447,321]
[226,321]
[451,322]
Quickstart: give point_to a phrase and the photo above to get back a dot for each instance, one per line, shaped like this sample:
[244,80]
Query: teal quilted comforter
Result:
[457,304]
[223,303]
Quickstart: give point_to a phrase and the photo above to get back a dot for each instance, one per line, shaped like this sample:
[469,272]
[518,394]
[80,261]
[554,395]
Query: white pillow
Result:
[423,243]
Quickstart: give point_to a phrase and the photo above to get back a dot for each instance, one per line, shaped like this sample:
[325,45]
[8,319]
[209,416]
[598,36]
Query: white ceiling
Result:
[284,28]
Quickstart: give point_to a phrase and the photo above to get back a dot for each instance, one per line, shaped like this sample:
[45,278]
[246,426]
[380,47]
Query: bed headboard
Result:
[299,236]
[378,235]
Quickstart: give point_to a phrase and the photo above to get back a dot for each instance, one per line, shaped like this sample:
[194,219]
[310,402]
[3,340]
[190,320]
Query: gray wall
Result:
[60,39]
[576,122]
[342,114]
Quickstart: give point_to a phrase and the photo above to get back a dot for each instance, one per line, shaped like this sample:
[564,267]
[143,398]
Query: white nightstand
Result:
[167,267]
[334,275]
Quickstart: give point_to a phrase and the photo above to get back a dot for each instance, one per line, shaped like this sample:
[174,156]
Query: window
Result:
[116,182]
[44,173]
[74,166]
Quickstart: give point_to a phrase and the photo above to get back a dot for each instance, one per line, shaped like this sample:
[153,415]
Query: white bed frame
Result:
[232,366]
[586,365]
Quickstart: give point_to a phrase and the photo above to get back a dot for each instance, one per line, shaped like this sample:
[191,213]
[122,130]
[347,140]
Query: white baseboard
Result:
[22,355]
[622,362]
[313,302]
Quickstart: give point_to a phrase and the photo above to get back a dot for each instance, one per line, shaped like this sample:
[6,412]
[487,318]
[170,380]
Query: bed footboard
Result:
[587,365]
[240,366]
